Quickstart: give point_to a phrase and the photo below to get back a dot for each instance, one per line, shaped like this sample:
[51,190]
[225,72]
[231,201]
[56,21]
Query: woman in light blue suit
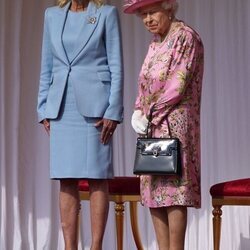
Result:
[80,105]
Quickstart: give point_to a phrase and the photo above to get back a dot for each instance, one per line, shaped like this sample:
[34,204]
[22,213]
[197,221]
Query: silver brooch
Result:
[92,20]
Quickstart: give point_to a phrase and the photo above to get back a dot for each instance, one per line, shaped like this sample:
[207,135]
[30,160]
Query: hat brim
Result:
[134,7]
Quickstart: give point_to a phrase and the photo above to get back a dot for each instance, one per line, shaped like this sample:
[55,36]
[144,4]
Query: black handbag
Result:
[157,156]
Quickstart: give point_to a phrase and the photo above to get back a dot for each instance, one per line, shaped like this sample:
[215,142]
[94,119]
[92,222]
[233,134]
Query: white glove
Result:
[139,122]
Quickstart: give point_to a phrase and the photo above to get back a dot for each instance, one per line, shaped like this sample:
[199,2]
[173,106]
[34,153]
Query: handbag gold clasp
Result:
[155,152]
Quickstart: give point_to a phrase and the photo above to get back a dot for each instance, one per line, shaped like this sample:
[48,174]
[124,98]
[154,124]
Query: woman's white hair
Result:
[170,6]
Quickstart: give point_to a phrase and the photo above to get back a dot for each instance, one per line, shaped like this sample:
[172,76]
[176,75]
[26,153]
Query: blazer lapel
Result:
[90,23]
[60,25]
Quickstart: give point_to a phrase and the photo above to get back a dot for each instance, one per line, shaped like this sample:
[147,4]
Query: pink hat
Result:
[132,6]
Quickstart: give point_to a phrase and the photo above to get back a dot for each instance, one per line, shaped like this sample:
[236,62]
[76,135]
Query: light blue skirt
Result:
[75,147]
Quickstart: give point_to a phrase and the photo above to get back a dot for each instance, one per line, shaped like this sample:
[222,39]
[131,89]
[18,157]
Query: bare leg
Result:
[69,209]
[99,206]
[160,222]
[177,219]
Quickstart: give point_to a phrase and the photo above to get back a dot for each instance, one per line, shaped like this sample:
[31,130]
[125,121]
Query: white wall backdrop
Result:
[29,216]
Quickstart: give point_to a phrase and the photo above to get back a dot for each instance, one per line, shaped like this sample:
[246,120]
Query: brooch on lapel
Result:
[91,20]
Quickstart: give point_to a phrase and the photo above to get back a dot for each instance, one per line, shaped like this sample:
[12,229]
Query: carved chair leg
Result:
[119,215]
[134,224]
[79,223]
[217,212]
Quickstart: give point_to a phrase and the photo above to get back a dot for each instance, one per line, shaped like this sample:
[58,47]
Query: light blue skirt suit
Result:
[81,82]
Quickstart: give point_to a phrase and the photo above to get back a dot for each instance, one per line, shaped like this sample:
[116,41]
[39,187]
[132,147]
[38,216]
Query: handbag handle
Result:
[149,129]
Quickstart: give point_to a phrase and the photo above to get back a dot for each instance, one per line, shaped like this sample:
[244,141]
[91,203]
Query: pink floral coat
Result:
[170,79]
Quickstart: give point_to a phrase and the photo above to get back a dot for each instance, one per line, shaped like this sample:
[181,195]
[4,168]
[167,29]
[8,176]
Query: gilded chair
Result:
[230,193]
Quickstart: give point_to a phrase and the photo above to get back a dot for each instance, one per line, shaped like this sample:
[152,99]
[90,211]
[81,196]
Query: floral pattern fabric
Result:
[170,81]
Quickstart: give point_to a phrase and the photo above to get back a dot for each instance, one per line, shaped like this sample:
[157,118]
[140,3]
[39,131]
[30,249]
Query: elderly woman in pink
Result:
[170,80]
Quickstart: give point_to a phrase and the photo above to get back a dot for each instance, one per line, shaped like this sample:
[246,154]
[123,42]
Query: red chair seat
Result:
[118,185]
[239,187]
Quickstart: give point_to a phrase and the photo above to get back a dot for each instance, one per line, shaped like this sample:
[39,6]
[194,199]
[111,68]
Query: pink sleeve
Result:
[182,72]
[138,101]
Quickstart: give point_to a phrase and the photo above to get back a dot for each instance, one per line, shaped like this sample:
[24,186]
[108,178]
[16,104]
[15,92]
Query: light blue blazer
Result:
[96,70]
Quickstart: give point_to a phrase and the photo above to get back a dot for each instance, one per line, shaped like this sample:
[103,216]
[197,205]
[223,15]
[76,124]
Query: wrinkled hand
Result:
[108,128]
[139,122]
[46,125]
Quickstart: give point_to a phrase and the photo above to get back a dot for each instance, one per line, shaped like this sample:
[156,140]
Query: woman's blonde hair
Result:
[62,3]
